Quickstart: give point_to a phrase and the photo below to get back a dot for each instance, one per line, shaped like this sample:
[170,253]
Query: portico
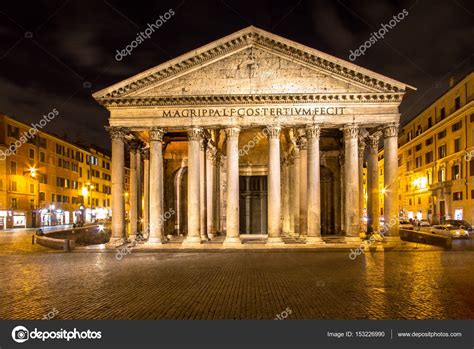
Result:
[250,108]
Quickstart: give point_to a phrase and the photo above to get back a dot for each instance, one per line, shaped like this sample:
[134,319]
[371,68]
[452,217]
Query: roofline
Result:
[464,77]
[241,32]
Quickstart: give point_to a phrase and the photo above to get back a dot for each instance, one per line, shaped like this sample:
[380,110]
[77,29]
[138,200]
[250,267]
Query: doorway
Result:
[253,204]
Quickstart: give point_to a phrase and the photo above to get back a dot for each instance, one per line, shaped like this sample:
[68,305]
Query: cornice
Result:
[244,99]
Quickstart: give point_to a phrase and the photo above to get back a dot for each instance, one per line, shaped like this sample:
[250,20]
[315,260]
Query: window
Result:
[442,134]
[43,178]
[471,167]
[12,167]
[42,157]
[42,196]
[418,162]
[457,103]
[409,201]
[457,145]
[441,175]
[418,147]
[442,151]
[13,186]
[456,172]
[472,194]
[457,196]
[13,131]
[442,113]
[409,166]
[53,197]
[429,141]
[430,122]
[31,154]
[14,203]
[419,201]
[32,188]
[32,204]
[409,151]
[429,157]
[456,126]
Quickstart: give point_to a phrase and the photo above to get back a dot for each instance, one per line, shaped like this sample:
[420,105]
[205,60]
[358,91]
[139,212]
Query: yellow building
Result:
[45,180]
[436,158]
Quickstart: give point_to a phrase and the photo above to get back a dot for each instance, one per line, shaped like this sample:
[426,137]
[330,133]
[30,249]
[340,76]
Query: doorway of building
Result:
[253,204]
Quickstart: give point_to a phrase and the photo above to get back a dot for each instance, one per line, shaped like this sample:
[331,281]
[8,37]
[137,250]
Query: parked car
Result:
[424,223]
[460,223]
[403,224]
[450,230]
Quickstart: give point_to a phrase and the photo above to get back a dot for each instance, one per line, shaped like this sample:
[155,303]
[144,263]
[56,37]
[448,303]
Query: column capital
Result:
[390,131]
[350,132]
[211,153]
[117,132]
[302,143]
[195,134]
[272,132]
[145,153]
[313,131]
[134,145]
[156,134]
[232,132]
[372,141]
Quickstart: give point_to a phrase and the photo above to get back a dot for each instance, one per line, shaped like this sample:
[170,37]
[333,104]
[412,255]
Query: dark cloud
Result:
[73,42]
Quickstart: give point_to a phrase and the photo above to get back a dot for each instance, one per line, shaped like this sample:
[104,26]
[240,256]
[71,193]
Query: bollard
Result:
[33,239]
[66,246]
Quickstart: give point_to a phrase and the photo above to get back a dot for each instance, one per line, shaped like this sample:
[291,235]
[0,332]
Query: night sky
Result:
[55,54]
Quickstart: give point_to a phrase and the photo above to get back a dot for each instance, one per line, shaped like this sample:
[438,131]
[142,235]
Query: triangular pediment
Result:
[252,61]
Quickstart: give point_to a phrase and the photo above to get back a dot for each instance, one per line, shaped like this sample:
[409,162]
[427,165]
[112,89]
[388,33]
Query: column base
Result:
[232,242]
[210,236]
[205,238]
[154,241]
[274,241]
[314,240]
[115,242]
[352,239]
[191,241]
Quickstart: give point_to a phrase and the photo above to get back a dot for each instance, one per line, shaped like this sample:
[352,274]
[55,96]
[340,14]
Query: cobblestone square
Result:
[36,281]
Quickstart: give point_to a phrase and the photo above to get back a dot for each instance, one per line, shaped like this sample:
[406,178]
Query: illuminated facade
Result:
[48,181]
[252,134]
[436,158]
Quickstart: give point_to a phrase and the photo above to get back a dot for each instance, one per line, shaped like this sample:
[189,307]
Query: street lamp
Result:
[85,192]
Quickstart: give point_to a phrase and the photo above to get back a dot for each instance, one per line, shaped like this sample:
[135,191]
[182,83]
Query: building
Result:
[251,134]
[436,158]
[45,180]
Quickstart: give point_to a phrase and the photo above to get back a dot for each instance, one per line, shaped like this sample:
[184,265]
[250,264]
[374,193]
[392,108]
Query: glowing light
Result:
[420,183]
[383,190]
[101,227]
[32,172]
[85,192]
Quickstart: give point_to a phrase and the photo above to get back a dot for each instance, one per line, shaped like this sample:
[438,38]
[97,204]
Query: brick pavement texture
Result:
[233,285]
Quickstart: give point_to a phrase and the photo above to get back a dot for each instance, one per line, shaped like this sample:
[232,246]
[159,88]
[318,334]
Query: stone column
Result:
[232,202]
[291,205]
[314,186]
[146,189]
[274,186]
[390,162]
[296,192]
[194,172]
[133,192]
[303,186]
[118,201]
[361,181]
[373,183]
[211,190]
[156,186]
[351,179]
[202,188]
[286,195]
[139,188]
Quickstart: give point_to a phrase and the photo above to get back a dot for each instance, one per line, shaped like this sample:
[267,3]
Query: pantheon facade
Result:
[253,134]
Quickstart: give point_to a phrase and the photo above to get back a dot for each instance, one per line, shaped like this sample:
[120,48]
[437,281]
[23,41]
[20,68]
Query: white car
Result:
[405,225]
[450,230]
